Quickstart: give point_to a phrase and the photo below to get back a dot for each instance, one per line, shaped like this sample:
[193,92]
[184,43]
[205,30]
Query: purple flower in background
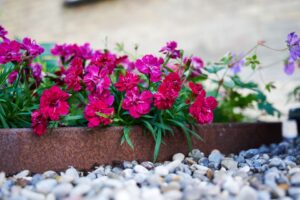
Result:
[3,33]
[170,50]
[289,66]
[37,72]
[150,65]
[237,62]
[10,52]
[32,48]
[293,42]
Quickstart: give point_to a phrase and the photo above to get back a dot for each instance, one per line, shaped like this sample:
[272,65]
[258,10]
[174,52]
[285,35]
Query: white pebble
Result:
[45,186]
[62,189]
[122,195]
[173,165]
[2,178]
[50,197]
[178,156]
[72,172]
[32,195]
[80,190]
[22,174]
[161,170]
[245,169]
[140,169]
[247,193]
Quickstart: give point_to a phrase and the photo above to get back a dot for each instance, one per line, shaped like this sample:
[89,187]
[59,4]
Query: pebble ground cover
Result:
[268,172]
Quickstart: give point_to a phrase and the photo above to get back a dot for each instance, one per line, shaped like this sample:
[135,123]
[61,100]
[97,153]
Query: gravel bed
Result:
[269,172]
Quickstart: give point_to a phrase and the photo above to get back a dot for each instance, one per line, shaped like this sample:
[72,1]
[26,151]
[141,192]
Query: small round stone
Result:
[140,169]
[161,170]
[178,156]
[46,186]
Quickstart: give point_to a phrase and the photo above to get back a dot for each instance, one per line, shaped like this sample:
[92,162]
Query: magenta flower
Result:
[61,50]
[53,103]
[150,65]
[98,112]
[84,51]
[68,51]
[3,33]
[10,52]
[96,79]
[12,77]
[127,82]
[31,47]
[36,72]
[105,97]
[126,63]
[105,61]
[202,108]
[170,50]
[39,122]
[137,104]
[167,92]
[74,74]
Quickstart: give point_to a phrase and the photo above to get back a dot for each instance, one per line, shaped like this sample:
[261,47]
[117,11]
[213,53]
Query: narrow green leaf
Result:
[126,132]
[157,144]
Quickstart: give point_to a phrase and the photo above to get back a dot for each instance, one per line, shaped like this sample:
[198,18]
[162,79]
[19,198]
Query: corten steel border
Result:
[82,147]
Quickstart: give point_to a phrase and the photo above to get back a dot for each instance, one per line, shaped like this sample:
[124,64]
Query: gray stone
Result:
[277,162]
[294,170]
[229,163]
[215,157]
[294,192]
[196,154]
[295,179]
[148,165]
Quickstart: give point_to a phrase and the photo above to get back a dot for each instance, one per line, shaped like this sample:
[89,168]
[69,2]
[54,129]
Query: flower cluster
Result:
[101,88]
[167,92]
[22,55]
[202,108]
[293,43]
[115,85]
[14,51]
[53,104]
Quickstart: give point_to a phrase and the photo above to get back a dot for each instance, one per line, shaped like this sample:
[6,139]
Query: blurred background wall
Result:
[208,29]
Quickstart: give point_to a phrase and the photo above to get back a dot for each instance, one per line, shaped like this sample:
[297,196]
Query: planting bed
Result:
[83,148]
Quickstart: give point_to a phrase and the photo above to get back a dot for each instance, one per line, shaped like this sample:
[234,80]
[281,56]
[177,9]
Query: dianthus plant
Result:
[99,88]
